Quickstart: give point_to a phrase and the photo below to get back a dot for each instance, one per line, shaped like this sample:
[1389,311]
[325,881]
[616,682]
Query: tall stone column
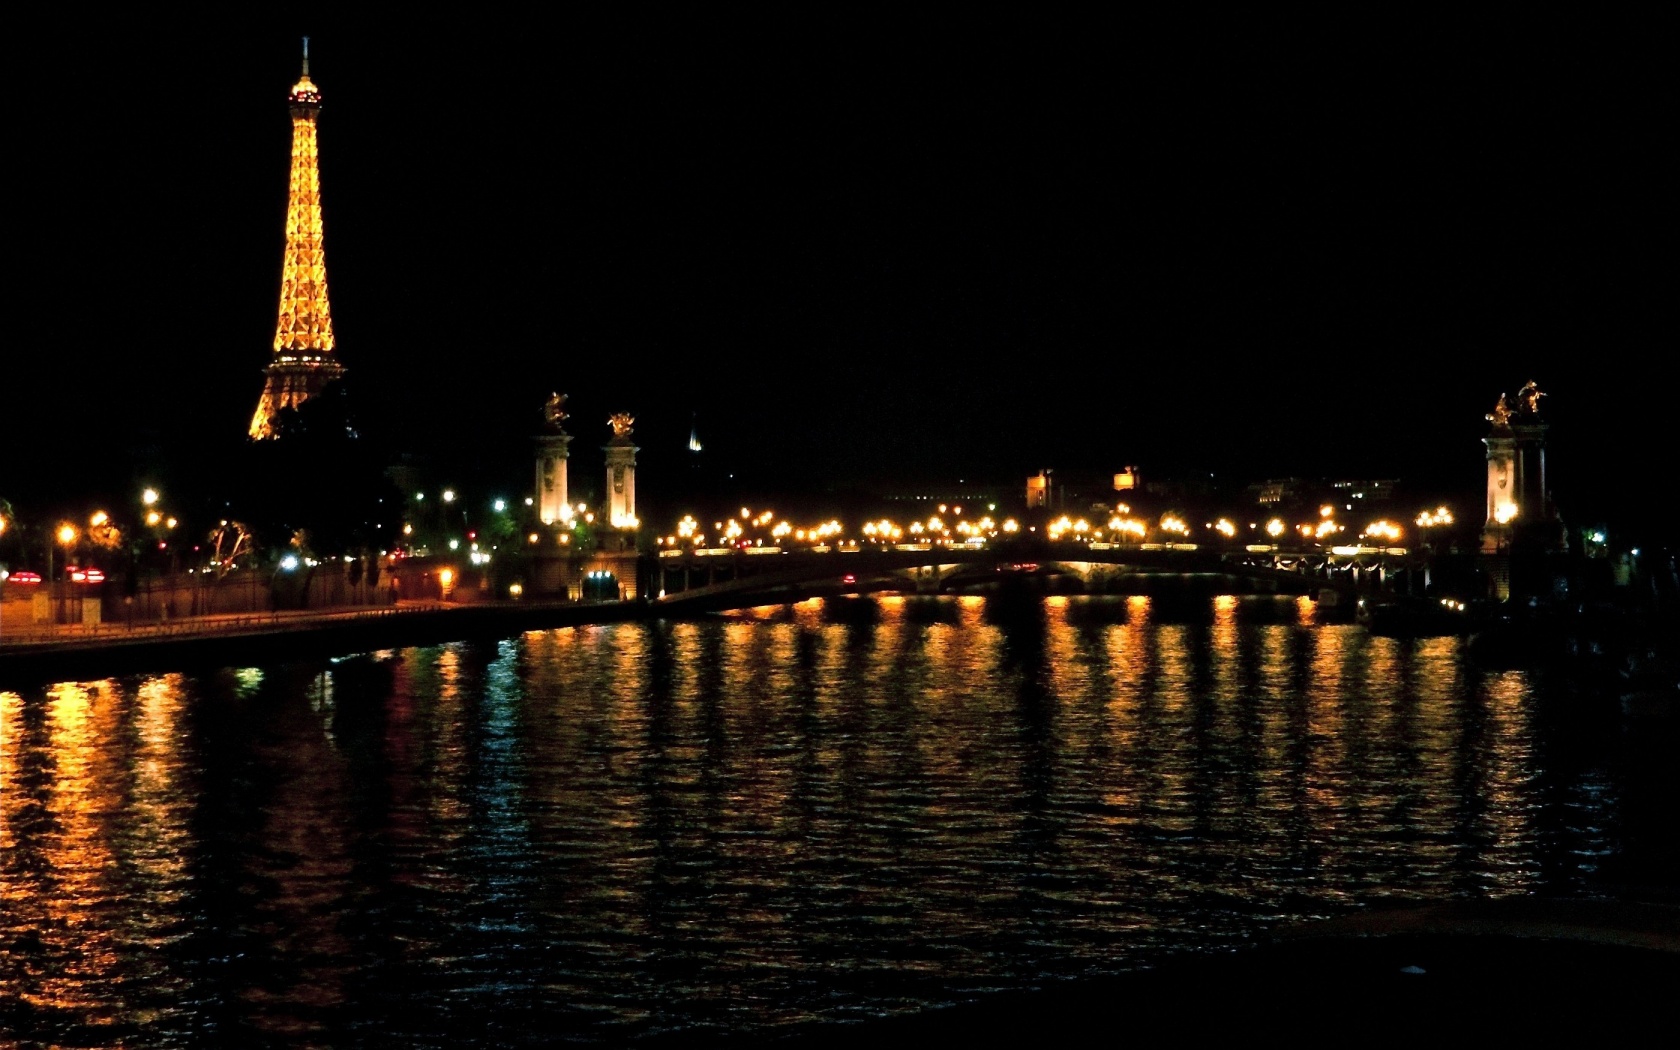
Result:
[621,473]
[1519,502]
[552,453]
[1502,505]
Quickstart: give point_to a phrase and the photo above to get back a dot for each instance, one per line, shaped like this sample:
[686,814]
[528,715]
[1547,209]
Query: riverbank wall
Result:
[247,641]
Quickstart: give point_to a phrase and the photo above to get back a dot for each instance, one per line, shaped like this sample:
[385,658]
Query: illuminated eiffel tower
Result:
[303,340]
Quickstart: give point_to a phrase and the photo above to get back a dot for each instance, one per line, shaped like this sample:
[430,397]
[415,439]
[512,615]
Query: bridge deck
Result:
[792,573]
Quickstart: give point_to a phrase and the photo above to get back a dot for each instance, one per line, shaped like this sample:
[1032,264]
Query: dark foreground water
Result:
[826,812]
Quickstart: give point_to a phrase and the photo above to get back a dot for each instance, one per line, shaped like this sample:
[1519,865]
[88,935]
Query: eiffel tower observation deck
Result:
[304,362]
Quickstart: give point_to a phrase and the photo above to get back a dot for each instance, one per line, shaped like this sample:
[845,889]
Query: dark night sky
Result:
[857,245]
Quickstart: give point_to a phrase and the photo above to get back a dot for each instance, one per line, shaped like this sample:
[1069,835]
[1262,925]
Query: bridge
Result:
[730,577]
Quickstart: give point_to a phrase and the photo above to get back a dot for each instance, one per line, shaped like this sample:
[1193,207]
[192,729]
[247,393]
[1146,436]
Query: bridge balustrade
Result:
[904,565]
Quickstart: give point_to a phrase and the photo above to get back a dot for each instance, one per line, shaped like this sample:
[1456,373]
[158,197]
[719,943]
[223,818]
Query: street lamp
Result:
[65,535]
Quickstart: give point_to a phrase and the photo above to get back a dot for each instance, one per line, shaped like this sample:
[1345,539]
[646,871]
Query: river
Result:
[824,812]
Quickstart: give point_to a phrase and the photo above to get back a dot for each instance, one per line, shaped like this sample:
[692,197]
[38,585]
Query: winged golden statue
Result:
[1501,414]
[553,414]
[620,422]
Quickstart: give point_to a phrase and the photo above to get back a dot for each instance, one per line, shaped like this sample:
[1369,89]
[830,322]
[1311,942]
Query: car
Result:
[23,576]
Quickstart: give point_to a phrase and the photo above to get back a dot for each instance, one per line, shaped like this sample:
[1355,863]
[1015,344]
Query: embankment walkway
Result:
[32,654]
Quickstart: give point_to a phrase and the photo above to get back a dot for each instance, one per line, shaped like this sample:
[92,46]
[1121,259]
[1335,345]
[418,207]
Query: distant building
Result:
[1038,491]
[1378,490]
[961,492]
[1277,492]
[1076,491]
[1345,494]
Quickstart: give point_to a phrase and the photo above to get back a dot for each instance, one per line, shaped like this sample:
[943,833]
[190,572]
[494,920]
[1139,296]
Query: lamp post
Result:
[1429,522]
[160,527]
[66,535]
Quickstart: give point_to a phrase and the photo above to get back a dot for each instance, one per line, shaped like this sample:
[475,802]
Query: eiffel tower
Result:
[303,362]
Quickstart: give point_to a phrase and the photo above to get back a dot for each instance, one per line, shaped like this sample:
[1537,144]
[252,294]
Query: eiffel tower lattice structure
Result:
[304,361]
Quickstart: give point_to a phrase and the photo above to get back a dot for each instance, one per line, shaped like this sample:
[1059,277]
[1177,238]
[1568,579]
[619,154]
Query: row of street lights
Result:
[102,531]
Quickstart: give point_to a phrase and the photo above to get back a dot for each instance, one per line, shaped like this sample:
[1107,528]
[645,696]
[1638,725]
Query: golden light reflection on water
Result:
[752,801]
[1509,784]
[158,822]
[1130,651]
[11,746]
[446,728]
[79,802]
[1066,672]
[62,826]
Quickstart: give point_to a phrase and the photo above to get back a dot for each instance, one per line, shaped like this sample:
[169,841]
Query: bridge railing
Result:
[186,626]
[1342,567]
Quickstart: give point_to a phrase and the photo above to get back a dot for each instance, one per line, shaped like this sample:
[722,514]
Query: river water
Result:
[830,811]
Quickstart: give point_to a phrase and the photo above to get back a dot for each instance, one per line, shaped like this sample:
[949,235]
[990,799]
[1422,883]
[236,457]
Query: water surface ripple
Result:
[830,811]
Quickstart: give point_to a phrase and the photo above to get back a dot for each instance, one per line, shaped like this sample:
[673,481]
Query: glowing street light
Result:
[1383,530]
[65,535]
[149,497]
[1440,517]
